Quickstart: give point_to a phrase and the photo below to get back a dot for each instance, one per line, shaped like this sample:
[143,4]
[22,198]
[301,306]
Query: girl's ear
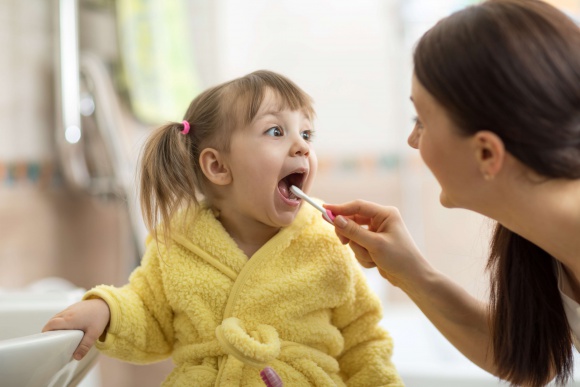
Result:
[489,152]
[214,167]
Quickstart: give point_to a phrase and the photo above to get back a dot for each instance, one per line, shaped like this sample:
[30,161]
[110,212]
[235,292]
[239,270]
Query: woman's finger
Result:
[353,231]
[344,240]
[362,255]
[361,220]
[359,207]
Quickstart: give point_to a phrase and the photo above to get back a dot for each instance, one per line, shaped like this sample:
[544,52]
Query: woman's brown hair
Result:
[513,67]
[170,175]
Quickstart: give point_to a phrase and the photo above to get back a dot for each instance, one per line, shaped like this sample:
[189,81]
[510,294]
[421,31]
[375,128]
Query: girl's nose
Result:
[300,147]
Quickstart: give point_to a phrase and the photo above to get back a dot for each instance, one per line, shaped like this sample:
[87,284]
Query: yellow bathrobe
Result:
[300,305]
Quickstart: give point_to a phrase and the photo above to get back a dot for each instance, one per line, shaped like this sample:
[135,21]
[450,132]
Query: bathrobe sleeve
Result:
[366,359]
[141,325]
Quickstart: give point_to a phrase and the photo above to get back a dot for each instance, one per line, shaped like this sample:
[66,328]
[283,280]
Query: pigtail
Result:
[529,329]
[168,180]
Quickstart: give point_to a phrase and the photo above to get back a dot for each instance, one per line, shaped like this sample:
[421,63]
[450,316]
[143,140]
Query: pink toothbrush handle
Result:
[271,378]
[330,215]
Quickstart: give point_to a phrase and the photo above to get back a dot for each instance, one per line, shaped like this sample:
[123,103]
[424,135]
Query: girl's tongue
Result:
[284,188]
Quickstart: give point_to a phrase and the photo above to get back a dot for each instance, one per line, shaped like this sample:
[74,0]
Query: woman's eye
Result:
[274,131]
[418,123]
[307,135]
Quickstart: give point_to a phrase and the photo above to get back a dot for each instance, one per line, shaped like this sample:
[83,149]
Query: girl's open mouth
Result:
[295,178]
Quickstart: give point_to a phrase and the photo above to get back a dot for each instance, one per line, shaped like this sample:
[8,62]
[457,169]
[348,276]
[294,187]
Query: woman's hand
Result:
[90,316]
[378,236]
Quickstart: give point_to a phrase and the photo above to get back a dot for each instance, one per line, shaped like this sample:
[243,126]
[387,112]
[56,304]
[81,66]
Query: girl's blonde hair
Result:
[170,174]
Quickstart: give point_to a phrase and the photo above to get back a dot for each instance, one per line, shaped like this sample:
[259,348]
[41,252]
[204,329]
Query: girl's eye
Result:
[275,131]
[307,135]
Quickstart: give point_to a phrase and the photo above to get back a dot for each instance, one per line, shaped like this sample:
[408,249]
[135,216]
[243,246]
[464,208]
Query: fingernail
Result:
[340,221]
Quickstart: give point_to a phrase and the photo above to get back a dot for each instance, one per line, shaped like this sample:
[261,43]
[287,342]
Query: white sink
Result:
[29,358]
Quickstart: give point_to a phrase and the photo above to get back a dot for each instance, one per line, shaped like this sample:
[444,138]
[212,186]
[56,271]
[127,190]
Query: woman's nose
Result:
[413,139]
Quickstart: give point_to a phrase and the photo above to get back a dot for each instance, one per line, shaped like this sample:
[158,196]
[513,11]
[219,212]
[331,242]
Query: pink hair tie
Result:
[185,127]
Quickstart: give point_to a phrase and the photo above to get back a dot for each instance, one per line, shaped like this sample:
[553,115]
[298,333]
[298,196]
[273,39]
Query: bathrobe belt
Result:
[256,348]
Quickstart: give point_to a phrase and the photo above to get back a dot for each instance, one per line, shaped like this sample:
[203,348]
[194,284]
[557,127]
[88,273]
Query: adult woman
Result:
[496,88]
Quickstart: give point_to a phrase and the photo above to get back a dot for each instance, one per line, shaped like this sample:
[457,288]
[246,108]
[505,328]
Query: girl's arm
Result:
[141,324]
[385,242]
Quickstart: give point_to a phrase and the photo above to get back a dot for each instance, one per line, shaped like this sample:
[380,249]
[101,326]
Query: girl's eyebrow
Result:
[271,113]
[261,116]
[274,113]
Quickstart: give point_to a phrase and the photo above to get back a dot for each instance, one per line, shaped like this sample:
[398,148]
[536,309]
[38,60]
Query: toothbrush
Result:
[326,214]
[271,378]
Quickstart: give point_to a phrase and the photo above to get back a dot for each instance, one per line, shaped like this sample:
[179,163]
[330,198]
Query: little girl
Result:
[248,277]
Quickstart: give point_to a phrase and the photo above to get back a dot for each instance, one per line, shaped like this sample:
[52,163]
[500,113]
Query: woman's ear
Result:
[214,168]
[489,152]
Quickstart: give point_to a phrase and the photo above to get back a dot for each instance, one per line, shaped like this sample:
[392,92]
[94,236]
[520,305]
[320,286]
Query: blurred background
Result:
[84,81]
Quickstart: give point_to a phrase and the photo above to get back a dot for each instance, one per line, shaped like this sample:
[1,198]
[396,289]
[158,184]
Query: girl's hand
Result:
[90,316]
[378,236]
